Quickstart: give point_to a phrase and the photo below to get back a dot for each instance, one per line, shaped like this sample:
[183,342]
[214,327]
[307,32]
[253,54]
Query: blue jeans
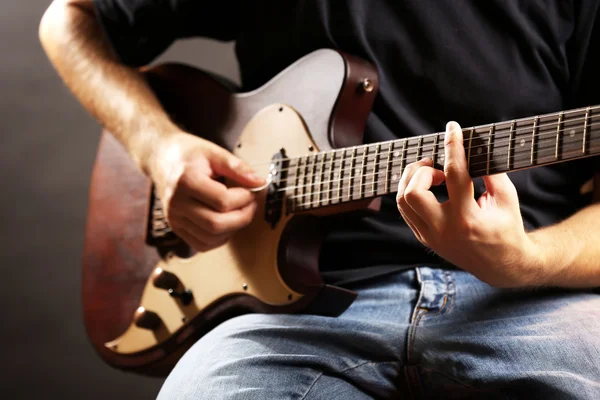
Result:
[424,333]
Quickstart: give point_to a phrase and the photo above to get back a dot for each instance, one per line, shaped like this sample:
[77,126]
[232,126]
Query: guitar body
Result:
[134,322]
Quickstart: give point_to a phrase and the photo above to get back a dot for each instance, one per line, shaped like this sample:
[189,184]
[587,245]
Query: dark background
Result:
[47,148]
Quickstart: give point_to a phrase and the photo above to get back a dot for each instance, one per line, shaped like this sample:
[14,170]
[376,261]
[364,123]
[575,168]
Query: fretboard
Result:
[361,172]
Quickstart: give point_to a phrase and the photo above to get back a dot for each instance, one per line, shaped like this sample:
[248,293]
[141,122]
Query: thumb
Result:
[501,188]
[225,164]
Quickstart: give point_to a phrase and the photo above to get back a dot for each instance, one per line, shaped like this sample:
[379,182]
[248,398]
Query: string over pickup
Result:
[276,188]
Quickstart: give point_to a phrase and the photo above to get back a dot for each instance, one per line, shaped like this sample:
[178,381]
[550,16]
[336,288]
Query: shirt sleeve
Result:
[140,30]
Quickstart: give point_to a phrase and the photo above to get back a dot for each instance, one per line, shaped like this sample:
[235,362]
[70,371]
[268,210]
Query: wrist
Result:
[549,261]
[534,262]
[159,150]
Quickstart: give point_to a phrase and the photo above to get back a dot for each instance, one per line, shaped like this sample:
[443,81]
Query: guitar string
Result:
[369,167]
[345,196]
[500,138]
[573,150]
[497,131]
[367,185]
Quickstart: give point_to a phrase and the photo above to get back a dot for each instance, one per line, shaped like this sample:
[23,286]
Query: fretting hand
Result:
[201,210]
[484,237]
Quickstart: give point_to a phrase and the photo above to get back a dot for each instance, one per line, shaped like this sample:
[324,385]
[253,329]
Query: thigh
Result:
[542,343]
[357,355]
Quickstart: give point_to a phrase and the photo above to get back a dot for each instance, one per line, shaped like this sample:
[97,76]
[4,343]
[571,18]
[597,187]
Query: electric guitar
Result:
[147,296]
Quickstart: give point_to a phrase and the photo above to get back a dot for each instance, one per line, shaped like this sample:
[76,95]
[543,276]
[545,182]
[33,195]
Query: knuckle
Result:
[215,225]
[401,199]
[469,227]
[185,179]
[452,171]
[411,196]
[450,141]
[247,216]
[223,204]
[411,168]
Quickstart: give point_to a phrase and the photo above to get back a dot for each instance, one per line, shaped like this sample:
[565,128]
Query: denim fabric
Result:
[421,333]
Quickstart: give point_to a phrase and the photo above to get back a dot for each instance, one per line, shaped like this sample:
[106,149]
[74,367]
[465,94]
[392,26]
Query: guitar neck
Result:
[361,172]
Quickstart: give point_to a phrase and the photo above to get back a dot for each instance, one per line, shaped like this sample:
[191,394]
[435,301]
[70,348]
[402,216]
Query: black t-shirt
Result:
[475,62]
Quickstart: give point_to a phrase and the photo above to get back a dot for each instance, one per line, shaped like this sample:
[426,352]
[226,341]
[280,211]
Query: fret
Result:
[376,170]
[593,147]
[310,176]
[520,156]
[572,135]
[434,151]
[534,134]
[341,176]
[351,180]
[558,135]
[472,130]
[511,138]
[309,180]
[403,159]
[419,148]
[489,148]
[331,175]
[585,130]
[306,184]
[361,191]
[546,140]
[321,179]
[297,192]
[387,168]
[316,180]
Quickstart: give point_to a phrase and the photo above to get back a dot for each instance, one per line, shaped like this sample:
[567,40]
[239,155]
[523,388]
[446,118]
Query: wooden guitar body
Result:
[146,297]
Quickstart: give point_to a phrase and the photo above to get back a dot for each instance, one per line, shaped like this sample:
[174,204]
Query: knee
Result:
[231,357]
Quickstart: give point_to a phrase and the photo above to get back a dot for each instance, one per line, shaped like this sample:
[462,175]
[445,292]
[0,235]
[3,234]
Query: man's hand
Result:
[201,210]
[485,237]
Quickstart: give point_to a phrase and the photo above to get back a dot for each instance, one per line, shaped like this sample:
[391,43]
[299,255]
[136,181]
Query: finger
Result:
[458,181]
[217,223]
[202,235]
[195,243]
[422,201]
[219,197]
[181,228]
[410,170]
[415,222]
[226,164]
[501,188]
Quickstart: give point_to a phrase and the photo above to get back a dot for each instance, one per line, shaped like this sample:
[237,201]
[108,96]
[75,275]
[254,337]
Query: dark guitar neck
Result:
[372,170]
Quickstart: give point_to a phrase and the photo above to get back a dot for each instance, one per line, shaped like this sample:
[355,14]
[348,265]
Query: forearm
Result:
[116,95]
[570,250]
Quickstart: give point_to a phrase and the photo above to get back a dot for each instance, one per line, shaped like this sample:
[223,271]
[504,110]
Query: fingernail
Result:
[426,160]
[254,176]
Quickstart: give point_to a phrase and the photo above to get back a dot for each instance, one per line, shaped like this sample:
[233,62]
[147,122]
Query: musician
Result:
[467,288]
